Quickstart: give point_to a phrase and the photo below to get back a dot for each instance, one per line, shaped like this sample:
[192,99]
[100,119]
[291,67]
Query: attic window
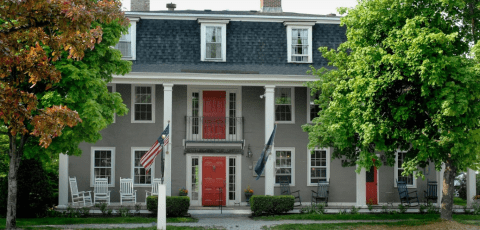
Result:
[127,43]
[213,40]
[299,42]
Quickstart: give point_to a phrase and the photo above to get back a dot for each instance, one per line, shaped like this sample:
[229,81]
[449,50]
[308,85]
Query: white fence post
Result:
[162,207]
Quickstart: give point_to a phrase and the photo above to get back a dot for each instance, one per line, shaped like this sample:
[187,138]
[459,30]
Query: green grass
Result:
[92,220]
[459,201]
[351,217]
[407,224]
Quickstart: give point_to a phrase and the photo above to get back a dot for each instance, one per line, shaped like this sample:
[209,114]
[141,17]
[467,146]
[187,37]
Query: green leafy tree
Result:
[49,80]
[407,78]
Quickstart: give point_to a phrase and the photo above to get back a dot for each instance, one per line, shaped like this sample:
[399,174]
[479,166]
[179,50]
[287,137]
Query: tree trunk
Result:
[15,153]
[448,191]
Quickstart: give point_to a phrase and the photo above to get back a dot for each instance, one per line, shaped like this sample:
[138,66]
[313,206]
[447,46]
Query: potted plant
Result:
[183,192]
[248,193]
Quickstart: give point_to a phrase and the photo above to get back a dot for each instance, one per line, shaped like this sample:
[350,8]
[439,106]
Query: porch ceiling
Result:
[212,79]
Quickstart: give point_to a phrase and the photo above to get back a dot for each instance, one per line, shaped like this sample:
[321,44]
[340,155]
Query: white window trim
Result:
[133,38]
[395,172]
[114,89]
[92,164]
[238,179]
[308,105]
[199,89]
[133,104]
[220,23]
[293,106]
[299,25]
[132,166]
[328,155]
[291,149]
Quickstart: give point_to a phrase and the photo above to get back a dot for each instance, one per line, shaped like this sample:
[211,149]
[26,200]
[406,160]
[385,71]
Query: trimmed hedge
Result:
[176,205]
[271,205]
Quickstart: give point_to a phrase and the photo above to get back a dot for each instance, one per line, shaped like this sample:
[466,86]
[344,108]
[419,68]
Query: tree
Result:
[406,78]
[41,44]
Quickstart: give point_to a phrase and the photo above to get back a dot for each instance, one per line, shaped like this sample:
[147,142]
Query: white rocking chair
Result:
[126,190]
[100,191]
[154,191]
[83,197]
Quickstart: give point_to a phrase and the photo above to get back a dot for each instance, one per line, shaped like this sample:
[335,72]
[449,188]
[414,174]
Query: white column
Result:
[361,189]
[63,180]
[269,124]
[167,116]
[440,185]
[471,186]
[162,208]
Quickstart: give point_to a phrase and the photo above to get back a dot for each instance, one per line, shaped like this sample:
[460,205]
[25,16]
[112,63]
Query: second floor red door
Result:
[214,114]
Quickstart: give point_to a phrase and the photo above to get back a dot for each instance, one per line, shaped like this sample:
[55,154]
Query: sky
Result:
[296,6]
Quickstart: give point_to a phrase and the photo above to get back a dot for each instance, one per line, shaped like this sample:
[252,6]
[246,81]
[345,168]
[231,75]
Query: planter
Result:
[248,195]
[182,194]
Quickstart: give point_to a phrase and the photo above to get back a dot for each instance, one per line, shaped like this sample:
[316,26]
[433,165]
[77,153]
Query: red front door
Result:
[214,188]
[372,185]
[213,114]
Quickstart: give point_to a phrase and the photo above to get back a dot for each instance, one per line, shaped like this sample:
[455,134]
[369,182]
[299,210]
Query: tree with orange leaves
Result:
[37,39]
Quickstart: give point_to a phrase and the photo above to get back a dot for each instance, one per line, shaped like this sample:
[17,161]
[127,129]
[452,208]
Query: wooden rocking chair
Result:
[432,192]
[321,193]
[126,190]
[154,191]
[100,190]
[285,190]
[78,197]
[405,195]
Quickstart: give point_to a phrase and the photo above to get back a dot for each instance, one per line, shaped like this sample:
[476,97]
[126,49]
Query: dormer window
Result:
[299,41]
[213,40]
[127,44]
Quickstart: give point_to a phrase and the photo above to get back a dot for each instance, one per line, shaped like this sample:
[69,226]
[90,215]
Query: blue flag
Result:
[266,151]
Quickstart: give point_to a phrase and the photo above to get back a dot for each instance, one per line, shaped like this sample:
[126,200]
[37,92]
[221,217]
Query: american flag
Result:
[147,160]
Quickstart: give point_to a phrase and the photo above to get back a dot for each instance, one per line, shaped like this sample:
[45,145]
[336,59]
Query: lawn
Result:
[351,217]
[93,220]
[459,201]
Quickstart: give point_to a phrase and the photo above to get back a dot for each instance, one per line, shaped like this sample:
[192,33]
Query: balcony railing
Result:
[214,129]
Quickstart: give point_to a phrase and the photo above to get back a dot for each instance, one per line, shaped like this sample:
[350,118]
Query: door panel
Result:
[214,181]
[371,185]
[214,114]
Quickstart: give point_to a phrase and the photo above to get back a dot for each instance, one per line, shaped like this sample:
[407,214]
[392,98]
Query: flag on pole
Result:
[147,160]
[266,151]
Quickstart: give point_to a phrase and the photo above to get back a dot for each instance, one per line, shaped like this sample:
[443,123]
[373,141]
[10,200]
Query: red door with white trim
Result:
[214,114]
[371,186]
[214,181]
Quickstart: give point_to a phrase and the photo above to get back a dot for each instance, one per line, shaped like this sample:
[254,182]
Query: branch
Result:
[24,27]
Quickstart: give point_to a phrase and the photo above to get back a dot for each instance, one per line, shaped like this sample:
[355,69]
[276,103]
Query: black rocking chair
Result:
[285,190]
[321,193]
[405,195]
[432,192]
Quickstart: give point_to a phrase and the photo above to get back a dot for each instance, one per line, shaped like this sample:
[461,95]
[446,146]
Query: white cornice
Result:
[297,23]
[213,21]
[135,19]
[233,17]
[212,79]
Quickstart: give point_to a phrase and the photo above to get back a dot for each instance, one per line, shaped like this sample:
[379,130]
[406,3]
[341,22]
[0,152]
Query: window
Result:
[111,89]
[232,112]
[299,41]
[231,178]
[127,43]
[213,40]
[139,174]
[285,165]
[143,104]
[195,176]
[103,165]
[195,114]
[318,166]
[410,179]
[284,105]
[313,108]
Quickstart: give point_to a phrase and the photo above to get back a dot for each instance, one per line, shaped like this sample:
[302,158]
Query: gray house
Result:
[222,79]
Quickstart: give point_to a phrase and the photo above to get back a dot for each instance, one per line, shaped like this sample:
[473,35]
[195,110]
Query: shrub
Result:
[34,190]
[353,211]
[402,208]
[271,205]
[176,205]
[317,209]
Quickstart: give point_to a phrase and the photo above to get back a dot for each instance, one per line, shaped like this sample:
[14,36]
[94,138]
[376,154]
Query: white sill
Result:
[143,121]
[215,60]
[278,185]
[128,58]
[143,185]
[285,122]
[303,62]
